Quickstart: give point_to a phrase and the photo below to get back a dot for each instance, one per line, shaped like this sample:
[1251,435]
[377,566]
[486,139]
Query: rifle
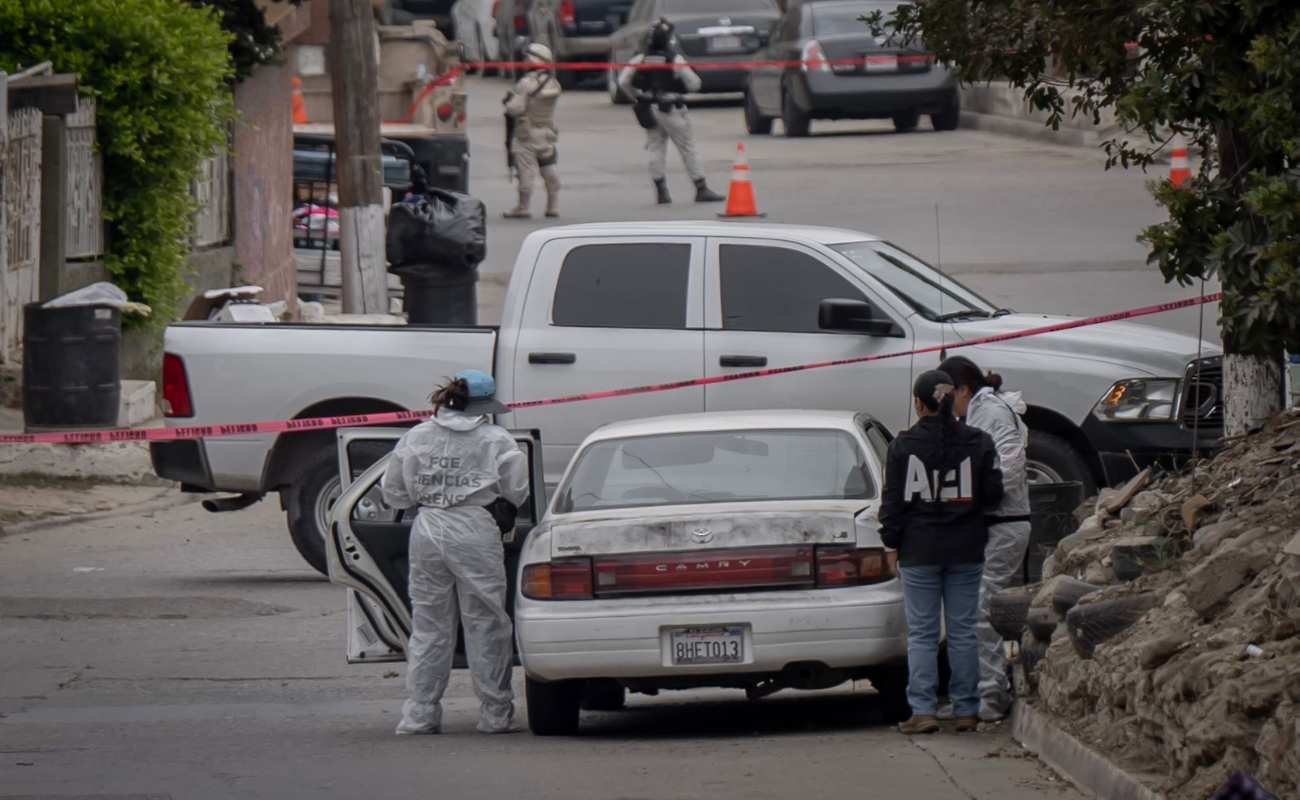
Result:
[510,145]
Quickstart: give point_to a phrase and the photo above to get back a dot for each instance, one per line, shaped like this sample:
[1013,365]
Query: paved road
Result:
[192,655]
[1034,226]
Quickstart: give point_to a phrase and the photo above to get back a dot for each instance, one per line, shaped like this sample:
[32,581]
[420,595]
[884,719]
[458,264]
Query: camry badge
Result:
[702,535]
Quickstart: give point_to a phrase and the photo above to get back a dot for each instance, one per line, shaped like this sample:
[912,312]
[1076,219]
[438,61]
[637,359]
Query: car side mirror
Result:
[840,314]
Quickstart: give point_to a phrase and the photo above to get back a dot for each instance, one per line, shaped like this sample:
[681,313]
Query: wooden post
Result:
[54,206]
[354,73]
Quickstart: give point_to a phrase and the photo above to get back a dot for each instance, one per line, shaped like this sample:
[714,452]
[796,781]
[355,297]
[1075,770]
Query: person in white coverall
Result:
[454,466]
[983,404]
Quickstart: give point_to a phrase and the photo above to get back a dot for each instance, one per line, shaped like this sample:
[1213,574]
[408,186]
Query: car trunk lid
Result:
[872,55]
[598,17]
[704,35]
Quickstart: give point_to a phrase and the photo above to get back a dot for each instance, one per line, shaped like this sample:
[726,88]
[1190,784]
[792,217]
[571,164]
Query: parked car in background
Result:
[404,12]
[737,549]
[513,30]
[577,30]
[475,25]
[889,82]
[707,31]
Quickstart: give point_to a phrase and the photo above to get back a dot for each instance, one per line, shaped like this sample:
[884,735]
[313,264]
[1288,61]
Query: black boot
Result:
[703,194]
[661,189]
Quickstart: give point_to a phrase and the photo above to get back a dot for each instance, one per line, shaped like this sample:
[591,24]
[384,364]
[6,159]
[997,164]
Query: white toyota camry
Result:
[736,549]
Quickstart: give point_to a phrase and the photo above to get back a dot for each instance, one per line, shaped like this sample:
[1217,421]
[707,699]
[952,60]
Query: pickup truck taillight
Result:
[563,579]
[568,13]
[176,388]
[845,566]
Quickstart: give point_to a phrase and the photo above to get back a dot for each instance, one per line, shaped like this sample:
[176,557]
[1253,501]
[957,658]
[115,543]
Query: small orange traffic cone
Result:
[1180,169]
[299,107]
[740,197]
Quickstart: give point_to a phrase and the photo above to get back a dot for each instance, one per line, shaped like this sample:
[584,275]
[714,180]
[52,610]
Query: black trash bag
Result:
[439,227]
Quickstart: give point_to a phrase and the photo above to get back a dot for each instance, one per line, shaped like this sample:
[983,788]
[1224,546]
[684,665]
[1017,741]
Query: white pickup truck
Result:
[613,305]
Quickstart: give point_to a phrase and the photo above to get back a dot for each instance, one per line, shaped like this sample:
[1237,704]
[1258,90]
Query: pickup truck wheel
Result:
[311,497]
[1054,460]
[553,708]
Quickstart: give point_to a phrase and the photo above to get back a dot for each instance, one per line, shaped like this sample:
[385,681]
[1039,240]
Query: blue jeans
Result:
[953,589]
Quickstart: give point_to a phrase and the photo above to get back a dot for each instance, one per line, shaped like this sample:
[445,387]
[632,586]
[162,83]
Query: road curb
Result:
[1092,772]
[166,498]
[1030,129]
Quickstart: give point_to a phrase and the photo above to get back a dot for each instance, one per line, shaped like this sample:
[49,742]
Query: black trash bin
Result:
[1051,519]
[71,366]
[439,294]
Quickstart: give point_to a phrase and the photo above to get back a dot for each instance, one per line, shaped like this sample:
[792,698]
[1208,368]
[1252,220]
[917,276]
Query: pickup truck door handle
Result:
[552,358]
[742,361]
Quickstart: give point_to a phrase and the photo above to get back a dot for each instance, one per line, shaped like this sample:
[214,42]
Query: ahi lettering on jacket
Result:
[956,486]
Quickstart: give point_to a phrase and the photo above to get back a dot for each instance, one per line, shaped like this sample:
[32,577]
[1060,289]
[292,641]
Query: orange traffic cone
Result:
[1180,169]
[299,107]
[740,197]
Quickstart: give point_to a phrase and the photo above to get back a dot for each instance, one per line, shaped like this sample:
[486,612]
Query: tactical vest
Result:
[658,81]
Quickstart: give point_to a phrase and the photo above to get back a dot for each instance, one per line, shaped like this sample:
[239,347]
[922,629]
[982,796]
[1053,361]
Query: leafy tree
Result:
[161,72]
[253,42]
[1223,73]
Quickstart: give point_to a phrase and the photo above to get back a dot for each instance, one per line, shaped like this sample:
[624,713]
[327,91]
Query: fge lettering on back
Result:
[925,485]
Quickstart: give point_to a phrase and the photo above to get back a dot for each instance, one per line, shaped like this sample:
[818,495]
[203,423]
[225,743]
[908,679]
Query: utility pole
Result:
[354,72]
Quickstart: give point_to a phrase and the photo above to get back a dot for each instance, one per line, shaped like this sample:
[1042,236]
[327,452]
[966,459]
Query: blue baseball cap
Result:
[482,393]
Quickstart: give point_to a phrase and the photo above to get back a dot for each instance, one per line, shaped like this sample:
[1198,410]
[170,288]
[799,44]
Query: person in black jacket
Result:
[941,478]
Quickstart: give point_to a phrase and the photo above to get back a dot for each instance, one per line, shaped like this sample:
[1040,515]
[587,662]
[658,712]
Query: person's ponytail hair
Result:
[964,373]
[454,395]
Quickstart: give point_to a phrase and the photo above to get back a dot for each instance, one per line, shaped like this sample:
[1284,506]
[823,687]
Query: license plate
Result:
[725,44]
[882,64]
[723,645]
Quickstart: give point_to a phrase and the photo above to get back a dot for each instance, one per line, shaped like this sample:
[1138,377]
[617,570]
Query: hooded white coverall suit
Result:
[451,467]
[998,414]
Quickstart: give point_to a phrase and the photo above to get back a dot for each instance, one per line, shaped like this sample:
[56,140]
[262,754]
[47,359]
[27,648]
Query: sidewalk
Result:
[44,483]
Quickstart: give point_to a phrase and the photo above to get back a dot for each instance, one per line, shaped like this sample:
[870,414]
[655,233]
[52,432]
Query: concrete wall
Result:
[263,184]
[1001,108]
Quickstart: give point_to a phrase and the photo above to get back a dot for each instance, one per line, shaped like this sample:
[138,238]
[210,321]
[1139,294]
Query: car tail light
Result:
[521,23]
[568,13]
[566,579]
[445,111]
[176,388]
[814,60]
[669,573]
[842,566]
[496,9]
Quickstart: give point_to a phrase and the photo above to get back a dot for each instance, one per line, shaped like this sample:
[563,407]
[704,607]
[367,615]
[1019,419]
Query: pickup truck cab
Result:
[614,305]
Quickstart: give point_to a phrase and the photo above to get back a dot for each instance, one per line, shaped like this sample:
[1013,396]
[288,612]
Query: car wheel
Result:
[891,682]
[906,121]
[755,123]
[552,707]
[311,497]
[604,696]
[616,95]
[1054,460]
[950,117]
[796,121]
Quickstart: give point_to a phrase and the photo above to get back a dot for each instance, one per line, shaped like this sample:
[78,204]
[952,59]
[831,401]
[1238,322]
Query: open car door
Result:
[368,543]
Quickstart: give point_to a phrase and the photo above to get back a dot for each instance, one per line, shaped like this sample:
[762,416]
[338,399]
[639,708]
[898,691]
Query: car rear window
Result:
[833,18]
[717,467]
[717,6]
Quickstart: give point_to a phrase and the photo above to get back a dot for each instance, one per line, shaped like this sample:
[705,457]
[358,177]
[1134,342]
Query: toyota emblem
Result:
[702,535]
[724,21]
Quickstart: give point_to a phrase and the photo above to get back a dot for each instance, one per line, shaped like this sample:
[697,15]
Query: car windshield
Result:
[833,18]
[934,295]
[716,467]
[717,6]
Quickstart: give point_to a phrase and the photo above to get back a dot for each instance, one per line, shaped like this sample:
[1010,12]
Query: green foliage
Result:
[1226,74]
[253,42]
[160,72]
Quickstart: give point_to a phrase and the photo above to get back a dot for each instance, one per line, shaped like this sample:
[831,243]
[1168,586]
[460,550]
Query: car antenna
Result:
[938,258]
